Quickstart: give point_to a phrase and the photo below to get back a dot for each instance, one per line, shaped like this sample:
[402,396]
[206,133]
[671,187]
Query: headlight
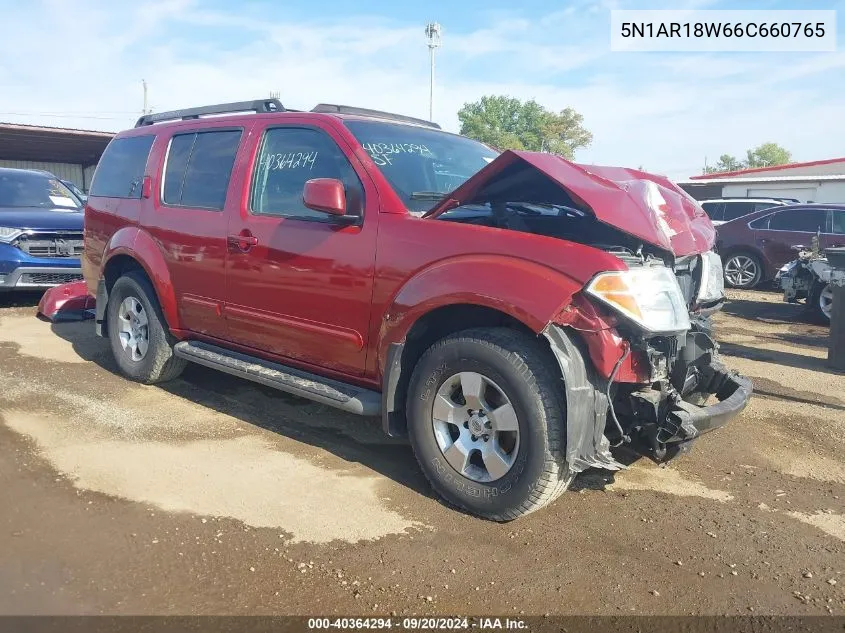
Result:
[651,297]
[712,287]
[7,233]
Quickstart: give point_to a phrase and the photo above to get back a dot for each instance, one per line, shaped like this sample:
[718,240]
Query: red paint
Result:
[326,195]
[72,297]
[604,345]
[330,296]
[647,206]
[754,170]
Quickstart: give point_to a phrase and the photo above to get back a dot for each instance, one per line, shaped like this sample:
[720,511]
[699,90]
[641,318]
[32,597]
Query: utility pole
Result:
[432,34]
[144,84]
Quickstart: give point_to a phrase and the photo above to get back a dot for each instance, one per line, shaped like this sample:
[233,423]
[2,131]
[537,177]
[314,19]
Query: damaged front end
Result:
[653,392]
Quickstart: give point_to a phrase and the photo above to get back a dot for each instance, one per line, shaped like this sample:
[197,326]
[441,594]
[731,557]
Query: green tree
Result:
[768,154]
[508,123]
[765,155]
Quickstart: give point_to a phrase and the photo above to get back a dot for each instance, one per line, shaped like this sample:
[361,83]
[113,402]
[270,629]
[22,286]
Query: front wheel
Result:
[743,271]
[486,420]
[821,300]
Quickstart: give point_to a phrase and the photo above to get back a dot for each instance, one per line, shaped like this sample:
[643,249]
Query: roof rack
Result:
[260,105]
[331,108]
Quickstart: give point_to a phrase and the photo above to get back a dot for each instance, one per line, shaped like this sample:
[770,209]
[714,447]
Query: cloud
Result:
[663,111]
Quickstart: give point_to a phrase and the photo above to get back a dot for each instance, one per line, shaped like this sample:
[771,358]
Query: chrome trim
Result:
[13,279]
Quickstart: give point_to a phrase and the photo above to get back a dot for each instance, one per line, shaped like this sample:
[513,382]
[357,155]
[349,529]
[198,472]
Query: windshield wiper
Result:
[428,195]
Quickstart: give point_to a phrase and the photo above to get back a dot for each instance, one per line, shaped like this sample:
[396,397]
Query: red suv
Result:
[515,314]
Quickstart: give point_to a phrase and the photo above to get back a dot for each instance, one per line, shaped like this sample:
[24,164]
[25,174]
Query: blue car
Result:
[40,231]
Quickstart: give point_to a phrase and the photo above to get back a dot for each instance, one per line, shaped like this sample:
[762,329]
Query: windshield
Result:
[421,164]
[28,189]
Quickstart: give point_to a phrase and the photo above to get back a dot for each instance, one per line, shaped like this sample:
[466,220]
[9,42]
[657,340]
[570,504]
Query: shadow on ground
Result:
[350,437]
[20,299]
[772,312]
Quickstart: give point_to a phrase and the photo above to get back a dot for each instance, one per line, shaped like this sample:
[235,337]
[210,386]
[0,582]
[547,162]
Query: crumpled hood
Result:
[37,218]
[646,206]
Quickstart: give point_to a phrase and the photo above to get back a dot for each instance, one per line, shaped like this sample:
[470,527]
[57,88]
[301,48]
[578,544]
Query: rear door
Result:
[187,220]
[299,283]
[789,228]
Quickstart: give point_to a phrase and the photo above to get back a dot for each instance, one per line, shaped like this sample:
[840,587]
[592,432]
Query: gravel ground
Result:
[211,495]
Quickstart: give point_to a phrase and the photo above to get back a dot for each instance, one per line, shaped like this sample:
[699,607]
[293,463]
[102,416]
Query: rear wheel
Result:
[138,335]
[486,422]
[743,270]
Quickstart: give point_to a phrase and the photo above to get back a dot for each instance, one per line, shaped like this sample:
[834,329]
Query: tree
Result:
[508,123]
[765,155]
[768,154]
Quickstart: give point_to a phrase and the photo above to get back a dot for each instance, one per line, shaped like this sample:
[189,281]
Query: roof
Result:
[752,179]
[52,144]
[753,170]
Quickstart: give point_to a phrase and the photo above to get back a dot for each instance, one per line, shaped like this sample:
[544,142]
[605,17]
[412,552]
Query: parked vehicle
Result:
[754,247]
[515,328]
[808,278]
[721,210]
[76,190]
[40,231]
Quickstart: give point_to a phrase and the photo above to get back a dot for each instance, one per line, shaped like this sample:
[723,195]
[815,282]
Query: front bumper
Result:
[732,393]
[658,419]
[34,277]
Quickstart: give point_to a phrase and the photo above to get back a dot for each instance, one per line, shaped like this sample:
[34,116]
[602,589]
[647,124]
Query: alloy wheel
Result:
[741,271]
[476,427]
[133,328]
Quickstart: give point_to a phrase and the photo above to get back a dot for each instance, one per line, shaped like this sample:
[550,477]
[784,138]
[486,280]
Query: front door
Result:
[299,282]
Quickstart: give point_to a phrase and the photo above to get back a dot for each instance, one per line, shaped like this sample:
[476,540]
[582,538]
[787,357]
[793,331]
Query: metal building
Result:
[69,154]
[814,181]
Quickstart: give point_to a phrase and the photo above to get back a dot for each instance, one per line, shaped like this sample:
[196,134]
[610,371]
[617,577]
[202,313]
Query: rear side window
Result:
[713,209]
[198,169]
[121,168]
[734,210]
[802,220]
[839,222]
[760,223]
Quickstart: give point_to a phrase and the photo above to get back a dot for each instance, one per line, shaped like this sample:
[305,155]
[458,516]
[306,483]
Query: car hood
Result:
[646,206]
[37,218]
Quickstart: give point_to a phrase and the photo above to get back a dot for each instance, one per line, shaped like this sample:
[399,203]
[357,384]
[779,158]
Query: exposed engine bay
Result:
[661,415]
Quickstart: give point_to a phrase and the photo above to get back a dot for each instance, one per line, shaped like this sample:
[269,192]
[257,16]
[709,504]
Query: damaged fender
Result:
[586,407]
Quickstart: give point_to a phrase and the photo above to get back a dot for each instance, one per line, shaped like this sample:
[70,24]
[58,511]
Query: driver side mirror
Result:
[326,195]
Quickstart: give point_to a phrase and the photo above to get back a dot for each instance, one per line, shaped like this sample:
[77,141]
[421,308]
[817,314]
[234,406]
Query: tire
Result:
[821,300]
[157,362]
[743,270]
[519,368]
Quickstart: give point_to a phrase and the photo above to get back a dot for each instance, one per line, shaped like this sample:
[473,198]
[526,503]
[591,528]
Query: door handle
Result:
[243,241]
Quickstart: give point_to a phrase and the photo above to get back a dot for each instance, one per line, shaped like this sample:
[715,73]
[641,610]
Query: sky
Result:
[79,63]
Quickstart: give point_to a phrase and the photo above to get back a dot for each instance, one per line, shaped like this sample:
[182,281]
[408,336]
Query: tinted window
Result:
[760,223]
[420,163]
[288,158]
[121,168]
[759,206]
[839,222]
[805,220]
[29,189]
[713,209]
[199,167]
[734,210]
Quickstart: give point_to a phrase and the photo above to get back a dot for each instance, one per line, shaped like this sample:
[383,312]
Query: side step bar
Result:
[299,383]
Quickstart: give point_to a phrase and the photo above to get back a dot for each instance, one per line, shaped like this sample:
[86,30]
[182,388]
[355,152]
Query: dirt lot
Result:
[214,495]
